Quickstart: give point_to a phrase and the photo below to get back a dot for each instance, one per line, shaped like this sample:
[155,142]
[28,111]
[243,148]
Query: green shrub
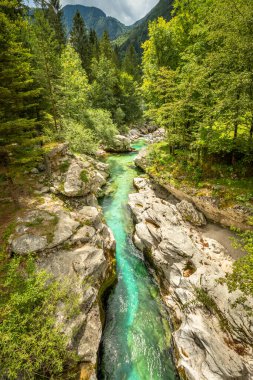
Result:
[242,275]
[31,343]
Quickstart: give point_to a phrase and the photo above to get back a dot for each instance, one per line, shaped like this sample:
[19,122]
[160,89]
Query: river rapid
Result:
[136,342]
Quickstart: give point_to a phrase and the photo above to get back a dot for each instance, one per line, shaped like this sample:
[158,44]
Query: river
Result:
[136,342]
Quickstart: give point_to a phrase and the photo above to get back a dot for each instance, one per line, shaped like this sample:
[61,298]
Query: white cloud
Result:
[127,11]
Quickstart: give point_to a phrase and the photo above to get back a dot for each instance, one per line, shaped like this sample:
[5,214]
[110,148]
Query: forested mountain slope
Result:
[139,31]
[94,18]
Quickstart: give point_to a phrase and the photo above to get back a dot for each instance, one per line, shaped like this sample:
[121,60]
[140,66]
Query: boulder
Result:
[121,144]
[84,234]
[28,243]
[191,214]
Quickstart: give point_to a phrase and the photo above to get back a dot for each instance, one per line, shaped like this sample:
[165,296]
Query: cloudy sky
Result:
[127,11]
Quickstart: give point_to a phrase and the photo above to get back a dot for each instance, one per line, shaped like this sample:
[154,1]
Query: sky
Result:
[126,11]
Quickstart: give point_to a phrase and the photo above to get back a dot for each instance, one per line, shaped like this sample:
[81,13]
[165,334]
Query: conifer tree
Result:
[80,41]
[105,46]
[55,18]
[131,63]
[18,97]
[46,62]
[94,44]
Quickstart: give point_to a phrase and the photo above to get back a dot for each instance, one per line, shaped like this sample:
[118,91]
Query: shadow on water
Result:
[136,341]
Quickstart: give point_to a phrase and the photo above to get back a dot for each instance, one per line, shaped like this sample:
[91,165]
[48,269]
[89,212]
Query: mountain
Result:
[138,32]
[96,19]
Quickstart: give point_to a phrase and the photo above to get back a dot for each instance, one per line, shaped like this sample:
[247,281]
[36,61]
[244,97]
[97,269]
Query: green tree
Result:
[18,96]
[105,84]
[83,127]
[105,46]
[131,63]
[55,18]
[80,41]
[94,44]
[46,64]
[130,100]
[73,90]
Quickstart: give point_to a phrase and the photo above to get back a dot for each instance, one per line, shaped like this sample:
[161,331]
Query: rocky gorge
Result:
[67,231]
[212,332]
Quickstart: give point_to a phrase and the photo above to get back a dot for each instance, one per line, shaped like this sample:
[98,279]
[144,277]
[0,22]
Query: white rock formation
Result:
[213,339]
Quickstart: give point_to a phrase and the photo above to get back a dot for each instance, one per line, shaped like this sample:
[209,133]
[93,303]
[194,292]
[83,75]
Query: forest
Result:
[198,85]
[194,79]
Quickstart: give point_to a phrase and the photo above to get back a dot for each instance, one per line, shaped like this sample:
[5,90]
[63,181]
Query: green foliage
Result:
[18,95]
[80,139]
[197,78]
[100,122]
[82,126]
[80,41]
[104,84]
[84,176]
[31,343]
[73,88]
[46,63]
[54,14]
[209,303]
[131,63]
[242,276]
[130,100]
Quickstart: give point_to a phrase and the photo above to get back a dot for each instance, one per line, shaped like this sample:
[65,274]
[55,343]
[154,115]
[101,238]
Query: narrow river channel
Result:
[136,343]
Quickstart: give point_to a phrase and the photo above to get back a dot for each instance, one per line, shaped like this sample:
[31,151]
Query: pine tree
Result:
[104,84]
[18,97]
[105,46]
[55,18]
[116,57]
[45,48]
[94,44]
[80,41]
[131,63]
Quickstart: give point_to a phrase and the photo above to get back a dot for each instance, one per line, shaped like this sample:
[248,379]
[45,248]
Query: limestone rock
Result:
[90,215]
[65,228]
[84,235]
[75,176]
[28,243]
[141,159]
[72,244]
[90,340]
[190,214]
[184,261]
[120,144]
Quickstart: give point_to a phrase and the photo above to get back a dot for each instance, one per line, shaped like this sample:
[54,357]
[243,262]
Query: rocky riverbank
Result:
[64,228]
[212,333]
[237,215]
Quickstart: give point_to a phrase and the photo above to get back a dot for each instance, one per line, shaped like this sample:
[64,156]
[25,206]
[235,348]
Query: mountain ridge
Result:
[94,18]
[138,32]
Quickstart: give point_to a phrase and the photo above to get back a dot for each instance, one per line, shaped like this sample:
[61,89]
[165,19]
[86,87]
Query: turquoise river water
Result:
[136,342]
